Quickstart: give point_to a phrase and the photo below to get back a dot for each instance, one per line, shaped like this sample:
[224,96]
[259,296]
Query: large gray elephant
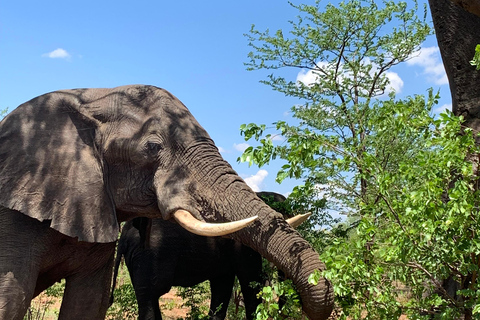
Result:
[75,163]
[160,254]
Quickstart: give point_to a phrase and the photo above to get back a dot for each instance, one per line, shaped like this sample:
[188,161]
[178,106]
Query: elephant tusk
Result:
[294,222]
[192,224]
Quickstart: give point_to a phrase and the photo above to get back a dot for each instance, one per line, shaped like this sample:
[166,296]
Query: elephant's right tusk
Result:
[294,222]
[192,224]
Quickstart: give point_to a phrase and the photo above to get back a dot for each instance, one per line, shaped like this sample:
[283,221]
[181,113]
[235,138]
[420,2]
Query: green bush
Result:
[194,299]
[125,303]
[270,308]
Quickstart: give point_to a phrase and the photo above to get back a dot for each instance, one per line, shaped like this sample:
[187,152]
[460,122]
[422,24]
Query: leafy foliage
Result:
[125,304]
[406,181]
[195,300]
[347,52]
[271,308]
[476,58]
[420,236]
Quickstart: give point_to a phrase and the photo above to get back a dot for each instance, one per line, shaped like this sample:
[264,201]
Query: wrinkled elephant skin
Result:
[74,163]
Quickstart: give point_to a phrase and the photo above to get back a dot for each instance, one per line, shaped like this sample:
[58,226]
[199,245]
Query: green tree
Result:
[347,52]
[399,174]
[196,299]
[416,250]
[408,181]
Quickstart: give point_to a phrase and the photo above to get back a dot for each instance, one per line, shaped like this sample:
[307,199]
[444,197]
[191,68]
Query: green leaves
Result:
[476,58]
[406,180]
[349,56]
[269,308]
[422,230]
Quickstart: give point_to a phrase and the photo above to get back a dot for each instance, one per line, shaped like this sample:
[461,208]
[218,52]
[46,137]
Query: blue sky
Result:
[194,49]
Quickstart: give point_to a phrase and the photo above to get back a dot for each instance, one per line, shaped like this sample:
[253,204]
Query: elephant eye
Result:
[154,148]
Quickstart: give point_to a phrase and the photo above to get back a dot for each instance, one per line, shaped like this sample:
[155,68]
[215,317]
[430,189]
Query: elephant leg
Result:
[221,289]
[15,296]
[148,287]
[19,268]
[148,309]
[249,274]
[87,291]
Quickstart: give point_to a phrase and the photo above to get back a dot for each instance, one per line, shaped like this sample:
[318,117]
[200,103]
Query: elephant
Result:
[167,255]
[75,163]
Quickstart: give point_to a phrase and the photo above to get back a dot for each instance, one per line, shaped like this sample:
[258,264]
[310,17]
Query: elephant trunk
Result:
[275,240]
[224,196]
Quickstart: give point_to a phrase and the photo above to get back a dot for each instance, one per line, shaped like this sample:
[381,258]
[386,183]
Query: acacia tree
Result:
[348,52]
[384,161]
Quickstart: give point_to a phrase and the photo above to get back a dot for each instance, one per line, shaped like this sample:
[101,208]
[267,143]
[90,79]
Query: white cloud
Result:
[58,54]
[395,82]
[256,180]
[308,77]
[430,61]
[277,137]
[442,108]
[241,146]
[221,150]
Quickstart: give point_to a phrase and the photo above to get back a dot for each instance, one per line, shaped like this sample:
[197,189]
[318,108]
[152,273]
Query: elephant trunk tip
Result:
[320,310]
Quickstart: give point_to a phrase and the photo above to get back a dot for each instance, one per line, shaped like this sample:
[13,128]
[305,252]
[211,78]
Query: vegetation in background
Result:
[416,250]
[406,181]
[196,299]
[43,307]
[345,54]
[125,305]
[476,58]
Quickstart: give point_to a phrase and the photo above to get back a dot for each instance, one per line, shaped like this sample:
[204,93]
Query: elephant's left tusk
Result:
[192,224]
[294,222]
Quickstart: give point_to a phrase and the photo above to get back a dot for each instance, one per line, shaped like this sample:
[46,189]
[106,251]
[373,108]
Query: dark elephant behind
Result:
[163,254]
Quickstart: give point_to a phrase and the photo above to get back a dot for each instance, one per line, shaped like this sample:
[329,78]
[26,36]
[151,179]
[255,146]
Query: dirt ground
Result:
[170,306]
[44,307]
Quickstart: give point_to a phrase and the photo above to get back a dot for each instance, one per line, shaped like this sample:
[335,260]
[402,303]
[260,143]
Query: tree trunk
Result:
[458,34]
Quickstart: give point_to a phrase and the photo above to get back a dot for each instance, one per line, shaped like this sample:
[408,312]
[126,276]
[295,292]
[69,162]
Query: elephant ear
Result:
[50,168]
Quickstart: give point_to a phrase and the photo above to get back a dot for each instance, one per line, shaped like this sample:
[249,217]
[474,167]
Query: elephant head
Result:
[86,159]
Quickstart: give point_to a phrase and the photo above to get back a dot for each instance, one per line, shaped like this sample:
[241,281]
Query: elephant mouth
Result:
[192,224]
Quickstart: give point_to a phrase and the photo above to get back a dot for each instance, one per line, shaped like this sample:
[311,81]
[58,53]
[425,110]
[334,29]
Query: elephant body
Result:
[172,256]
[51,257]
[76,163]
[176,257]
